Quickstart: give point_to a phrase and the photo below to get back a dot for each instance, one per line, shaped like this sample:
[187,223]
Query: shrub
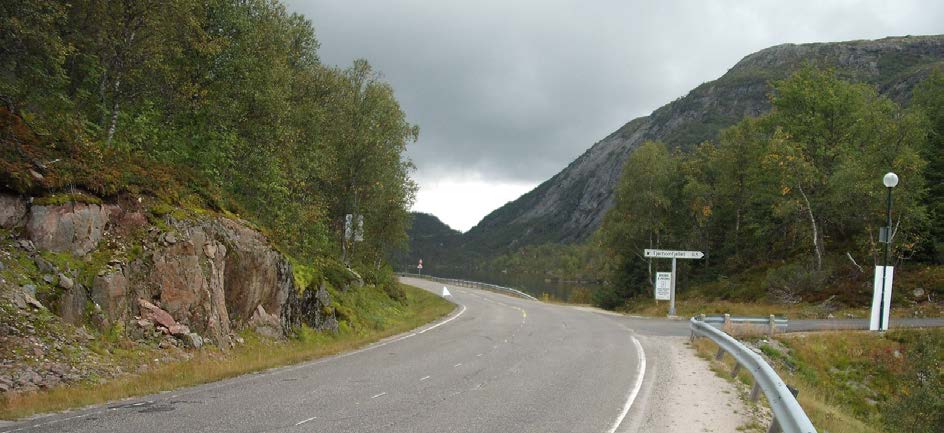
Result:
[919,407]
[789,283]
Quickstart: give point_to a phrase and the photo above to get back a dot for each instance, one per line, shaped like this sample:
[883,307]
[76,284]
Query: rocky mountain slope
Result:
[165,278]
[570,206]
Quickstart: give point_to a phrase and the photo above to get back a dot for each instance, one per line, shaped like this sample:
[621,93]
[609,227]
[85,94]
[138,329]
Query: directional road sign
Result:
[673,254]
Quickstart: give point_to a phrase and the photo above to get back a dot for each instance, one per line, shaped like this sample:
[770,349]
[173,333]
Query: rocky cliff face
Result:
[197,278]
[570,206]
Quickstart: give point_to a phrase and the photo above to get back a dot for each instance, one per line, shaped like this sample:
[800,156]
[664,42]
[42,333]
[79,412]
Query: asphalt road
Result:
[496,364]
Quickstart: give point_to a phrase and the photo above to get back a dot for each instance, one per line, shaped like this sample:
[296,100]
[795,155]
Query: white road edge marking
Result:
[424,378]
[304,421]
[444,321]
[454,366]
[631,397]
[378,395]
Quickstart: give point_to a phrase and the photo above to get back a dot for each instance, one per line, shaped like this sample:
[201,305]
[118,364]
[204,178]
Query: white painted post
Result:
[672,300]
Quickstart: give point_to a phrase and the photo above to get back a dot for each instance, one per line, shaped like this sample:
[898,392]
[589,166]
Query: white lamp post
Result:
[890,180]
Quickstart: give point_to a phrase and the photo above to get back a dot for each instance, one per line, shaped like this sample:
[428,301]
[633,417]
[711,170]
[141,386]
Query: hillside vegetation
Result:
[857,382]
[570,207]
[796,191]
[175,181]
[213,104]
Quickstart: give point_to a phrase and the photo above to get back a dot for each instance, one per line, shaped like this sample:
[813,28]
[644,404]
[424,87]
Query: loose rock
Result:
[155,314]
[65,282]
[193,340]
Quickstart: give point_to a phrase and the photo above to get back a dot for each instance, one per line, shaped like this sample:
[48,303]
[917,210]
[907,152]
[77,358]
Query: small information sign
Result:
[663,286]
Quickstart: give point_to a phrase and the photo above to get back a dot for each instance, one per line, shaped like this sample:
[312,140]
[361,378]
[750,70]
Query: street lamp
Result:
[890,180]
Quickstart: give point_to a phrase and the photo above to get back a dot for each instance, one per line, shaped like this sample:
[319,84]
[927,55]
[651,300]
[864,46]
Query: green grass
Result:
[370,316]
[853,381]
[693,306]
[824,415]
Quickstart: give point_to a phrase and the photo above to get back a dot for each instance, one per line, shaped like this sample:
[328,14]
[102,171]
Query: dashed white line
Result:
[454,366]
[306,420]
[424,378]
[640,373]
[378,395]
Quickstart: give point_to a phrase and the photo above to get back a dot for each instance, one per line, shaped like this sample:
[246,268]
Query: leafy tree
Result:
[929,98]
[231,95]
[832,142]
[639,217]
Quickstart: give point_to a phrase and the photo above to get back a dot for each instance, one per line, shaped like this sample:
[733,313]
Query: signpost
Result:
[663,286]
[419,267]
[674,255]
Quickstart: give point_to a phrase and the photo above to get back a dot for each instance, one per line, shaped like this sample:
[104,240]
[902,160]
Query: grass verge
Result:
[857,382]
[380,317]
[693,306]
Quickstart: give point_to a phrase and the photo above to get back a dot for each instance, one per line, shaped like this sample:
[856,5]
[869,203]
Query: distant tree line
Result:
[231,91]
[798,190]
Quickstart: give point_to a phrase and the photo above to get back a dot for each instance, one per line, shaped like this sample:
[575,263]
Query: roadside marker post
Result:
[674,255]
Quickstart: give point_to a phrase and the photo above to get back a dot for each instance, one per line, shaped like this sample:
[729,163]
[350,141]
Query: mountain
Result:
[431,240]
[570,206]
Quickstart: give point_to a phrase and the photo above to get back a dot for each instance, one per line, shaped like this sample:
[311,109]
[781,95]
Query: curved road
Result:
[496,364]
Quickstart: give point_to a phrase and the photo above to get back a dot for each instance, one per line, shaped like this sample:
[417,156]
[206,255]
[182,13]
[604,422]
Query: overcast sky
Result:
[507,93]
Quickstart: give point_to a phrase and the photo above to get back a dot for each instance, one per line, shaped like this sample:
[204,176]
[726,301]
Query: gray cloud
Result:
[515,90]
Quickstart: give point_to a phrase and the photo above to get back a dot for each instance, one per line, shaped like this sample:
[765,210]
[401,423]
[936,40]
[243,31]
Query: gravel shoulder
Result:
[683,394]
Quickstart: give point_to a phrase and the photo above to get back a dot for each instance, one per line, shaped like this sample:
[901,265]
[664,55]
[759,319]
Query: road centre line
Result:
[378,395]
[424,378]
[304,421]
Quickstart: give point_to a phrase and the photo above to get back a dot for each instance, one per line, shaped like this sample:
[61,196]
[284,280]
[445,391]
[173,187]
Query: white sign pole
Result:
[672,299]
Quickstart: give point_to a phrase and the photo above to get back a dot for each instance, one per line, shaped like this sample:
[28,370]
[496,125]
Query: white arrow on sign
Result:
[446,292]
[670,254]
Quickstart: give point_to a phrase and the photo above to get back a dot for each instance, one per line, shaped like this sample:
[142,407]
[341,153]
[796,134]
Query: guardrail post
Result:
[773,326]
[774,427]
[720,354]
[727,319]
[737,368]
[755,391]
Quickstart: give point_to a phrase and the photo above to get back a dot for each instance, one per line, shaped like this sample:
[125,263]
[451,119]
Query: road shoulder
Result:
[688,396]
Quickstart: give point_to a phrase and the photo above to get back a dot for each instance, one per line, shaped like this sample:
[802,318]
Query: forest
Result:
[208,104]
[796,192]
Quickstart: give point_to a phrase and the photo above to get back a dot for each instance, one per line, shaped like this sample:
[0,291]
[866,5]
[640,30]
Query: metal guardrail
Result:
[770,322]
[472,284]
[789,417]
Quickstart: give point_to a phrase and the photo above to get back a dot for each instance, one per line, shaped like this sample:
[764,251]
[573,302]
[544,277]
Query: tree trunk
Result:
[817,242]
[113,124]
